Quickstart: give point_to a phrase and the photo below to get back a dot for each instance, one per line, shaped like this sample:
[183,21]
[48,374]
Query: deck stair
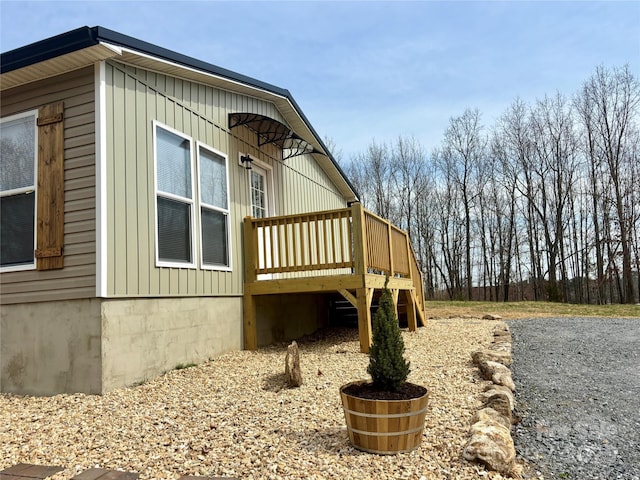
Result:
[343,314]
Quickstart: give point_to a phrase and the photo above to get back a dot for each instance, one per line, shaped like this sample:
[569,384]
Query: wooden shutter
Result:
[50,211]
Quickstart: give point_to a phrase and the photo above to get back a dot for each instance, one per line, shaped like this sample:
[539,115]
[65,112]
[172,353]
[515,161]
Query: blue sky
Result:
[371,70]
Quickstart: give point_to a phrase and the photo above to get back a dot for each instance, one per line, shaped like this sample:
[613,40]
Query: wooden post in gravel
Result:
[364,296]
[411,310]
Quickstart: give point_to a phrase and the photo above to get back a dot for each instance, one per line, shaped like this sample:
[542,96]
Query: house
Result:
[159,210]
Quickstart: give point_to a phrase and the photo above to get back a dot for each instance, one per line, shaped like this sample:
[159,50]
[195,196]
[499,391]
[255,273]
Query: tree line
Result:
[542,205]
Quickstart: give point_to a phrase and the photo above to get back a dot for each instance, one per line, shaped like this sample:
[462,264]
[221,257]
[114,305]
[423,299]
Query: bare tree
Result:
[409,165]
[505,146]
[610,102]
[585,109]
[554,170]
[463,148]
[449,236]
[550,206]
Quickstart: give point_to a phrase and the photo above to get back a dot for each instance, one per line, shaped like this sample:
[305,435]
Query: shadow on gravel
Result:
[323,440]
[276,382]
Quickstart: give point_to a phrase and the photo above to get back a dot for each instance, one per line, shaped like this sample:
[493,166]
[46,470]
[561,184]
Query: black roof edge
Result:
[47,49]
[84,37]
[119,39]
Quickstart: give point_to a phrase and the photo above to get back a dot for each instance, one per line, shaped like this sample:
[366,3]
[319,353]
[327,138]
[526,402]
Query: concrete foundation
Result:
[143,338]
[51,347]
[96,345]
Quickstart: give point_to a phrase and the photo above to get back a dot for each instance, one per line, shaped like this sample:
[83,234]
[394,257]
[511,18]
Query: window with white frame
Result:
[178,199]
[214,208]
[18,163]
[174,198]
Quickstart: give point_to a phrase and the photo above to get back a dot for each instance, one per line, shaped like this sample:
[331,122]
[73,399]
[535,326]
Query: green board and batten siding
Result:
[78,277]
[137,97]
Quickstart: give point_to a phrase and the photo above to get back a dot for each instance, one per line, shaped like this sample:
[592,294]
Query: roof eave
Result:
[87,45]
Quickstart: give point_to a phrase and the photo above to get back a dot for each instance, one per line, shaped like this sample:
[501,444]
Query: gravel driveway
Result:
[578,391]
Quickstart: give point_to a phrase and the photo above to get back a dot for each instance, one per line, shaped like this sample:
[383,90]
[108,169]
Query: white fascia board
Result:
[205,73]
[114,48]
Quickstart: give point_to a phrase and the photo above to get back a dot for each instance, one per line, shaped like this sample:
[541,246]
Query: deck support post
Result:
[395,293]
[360,267]
[364,297]
[250,332]
[411,310]
[249,320]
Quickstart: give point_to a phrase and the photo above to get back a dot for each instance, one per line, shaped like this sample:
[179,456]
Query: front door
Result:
[261,207]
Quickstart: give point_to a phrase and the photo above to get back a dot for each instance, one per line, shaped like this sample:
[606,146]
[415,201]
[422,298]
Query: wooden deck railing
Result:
[349,238]
[298,243]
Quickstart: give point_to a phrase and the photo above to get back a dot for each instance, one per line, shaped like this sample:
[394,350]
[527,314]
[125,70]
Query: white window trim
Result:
[34,188]
[191,201]
[227,212]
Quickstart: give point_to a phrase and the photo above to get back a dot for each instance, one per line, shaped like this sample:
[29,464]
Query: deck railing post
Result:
[392,269]
[250,250]
[409,255]
[360,266]
[360,257]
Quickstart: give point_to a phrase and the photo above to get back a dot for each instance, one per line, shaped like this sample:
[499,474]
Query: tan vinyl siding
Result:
[135,98]
[77,279]
[307,187]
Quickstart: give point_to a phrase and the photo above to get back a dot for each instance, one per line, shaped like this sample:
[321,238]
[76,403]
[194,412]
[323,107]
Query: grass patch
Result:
[512,310]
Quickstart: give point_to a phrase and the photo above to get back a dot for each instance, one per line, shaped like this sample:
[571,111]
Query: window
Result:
[258,179]
[174,198]
[178,199]
[214,208]
[18,163]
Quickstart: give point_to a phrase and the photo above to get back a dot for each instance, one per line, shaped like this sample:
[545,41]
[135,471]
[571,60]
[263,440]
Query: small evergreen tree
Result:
[387,366]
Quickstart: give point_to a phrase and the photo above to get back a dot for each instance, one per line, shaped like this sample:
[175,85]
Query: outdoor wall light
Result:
[246,161]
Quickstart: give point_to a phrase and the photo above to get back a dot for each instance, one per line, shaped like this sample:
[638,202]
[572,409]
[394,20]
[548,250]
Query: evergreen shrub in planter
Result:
[385,415]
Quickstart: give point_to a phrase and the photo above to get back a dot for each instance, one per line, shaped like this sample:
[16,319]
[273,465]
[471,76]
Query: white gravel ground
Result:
[234,417]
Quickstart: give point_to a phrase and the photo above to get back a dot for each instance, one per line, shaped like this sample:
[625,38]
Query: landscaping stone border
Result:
[490,441]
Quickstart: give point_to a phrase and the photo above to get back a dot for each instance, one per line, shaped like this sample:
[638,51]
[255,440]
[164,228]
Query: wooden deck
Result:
[351,251]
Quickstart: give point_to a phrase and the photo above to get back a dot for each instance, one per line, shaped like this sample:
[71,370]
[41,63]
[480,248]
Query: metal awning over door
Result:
[270,130]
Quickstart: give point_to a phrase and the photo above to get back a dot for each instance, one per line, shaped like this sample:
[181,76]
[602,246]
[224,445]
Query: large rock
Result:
[497,373]
[500,403]
[491,415]
[499,346]
[491,444]
[502,338]
[292,366]
[503,357]
[492,388]
[501,327]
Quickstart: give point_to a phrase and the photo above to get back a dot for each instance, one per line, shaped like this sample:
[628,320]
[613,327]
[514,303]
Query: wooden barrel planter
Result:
[384,426]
